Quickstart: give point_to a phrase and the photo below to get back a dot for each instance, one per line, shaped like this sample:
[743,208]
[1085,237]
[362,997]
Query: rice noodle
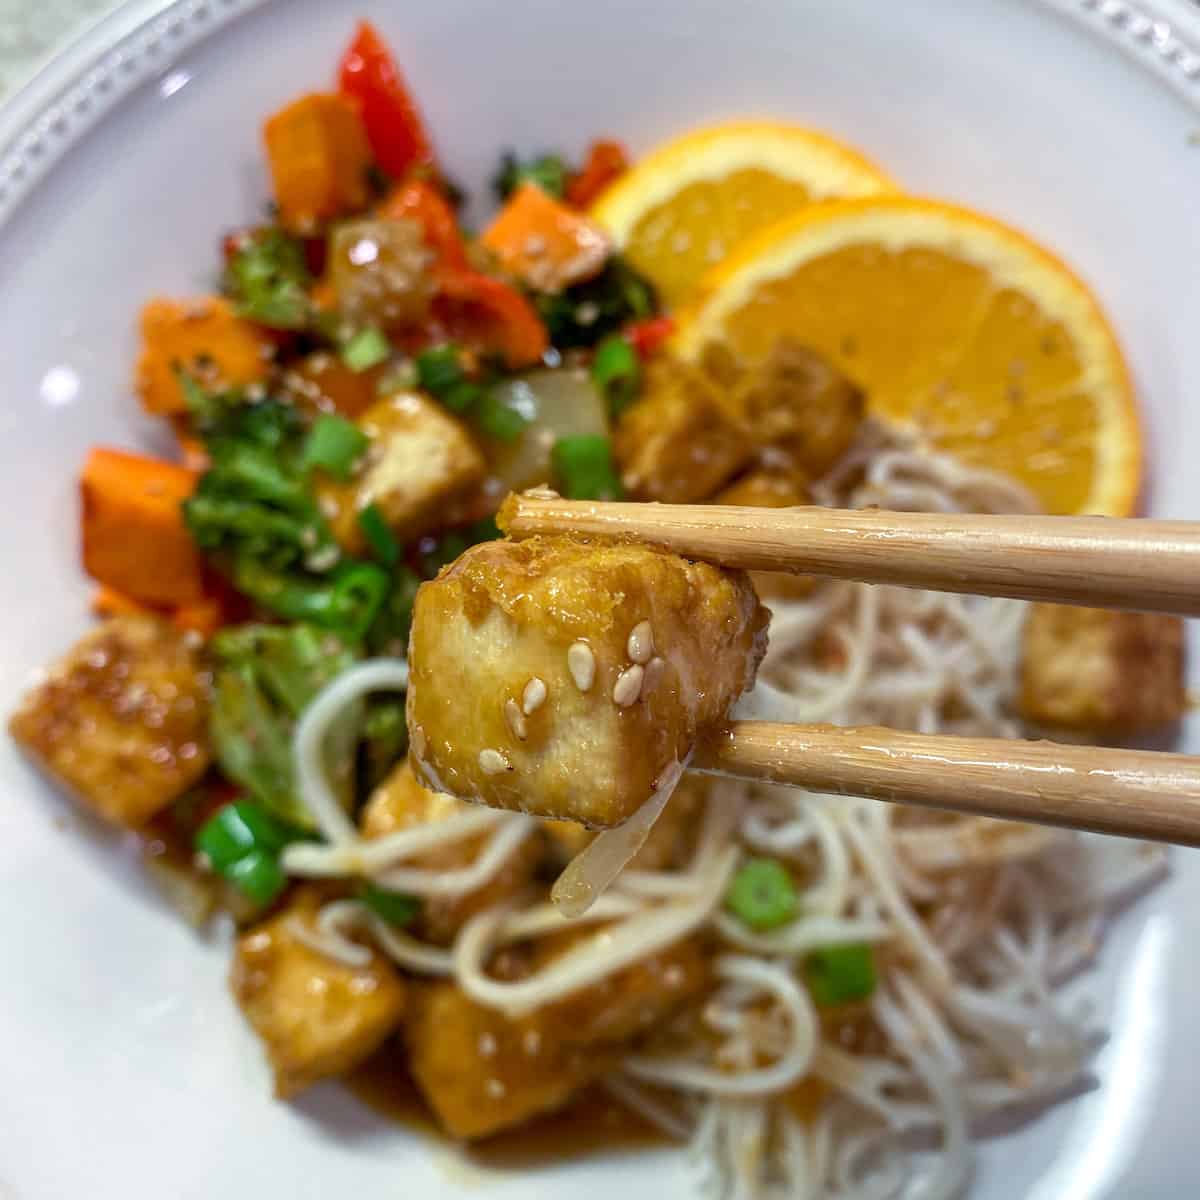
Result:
[973,922]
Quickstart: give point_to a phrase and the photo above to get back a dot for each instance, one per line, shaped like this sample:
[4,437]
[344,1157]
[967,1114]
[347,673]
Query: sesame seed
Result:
[641,643]
[673,975]
[655,669]
[492,762]
[534,696]
[487,1044]
[531,1041]
[628,686]
[495,1089]
[515,718]
[581,662]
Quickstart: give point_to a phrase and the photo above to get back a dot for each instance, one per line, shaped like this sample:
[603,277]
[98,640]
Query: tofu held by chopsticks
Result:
[567,677]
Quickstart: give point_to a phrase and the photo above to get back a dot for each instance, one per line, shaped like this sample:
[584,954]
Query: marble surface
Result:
[31,30]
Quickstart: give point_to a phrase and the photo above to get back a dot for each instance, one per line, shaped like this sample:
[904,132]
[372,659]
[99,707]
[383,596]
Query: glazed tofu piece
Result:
[203,337]
[678,443]
[564,677]
[799,404]
[482,1072]
[121,721]
[401,802]
[318,153]
[316,1017]
[667,847]
[1096,671]
[420,460]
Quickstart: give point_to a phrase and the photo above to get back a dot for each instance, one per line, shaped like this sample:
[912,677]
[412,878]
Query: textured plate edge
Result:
[78,87]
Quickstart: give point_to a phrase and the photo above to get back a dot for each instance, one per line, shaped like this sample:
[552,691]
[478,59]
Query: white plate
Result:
[125,1069]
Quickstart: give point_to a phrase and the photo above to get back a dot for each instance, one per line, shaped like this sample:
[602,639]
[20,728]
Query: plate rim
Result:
[79,85]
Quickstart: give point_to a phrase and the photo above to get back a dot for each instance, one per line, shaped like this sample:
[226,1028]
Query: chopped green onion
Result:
[335,445]
[258,875]
[585,468]
[366,349]
[440,369]
[497,419]
[840,974]
[359,590]
[396,908]
[243,841]
[617,373]
[379,535]
[762,894]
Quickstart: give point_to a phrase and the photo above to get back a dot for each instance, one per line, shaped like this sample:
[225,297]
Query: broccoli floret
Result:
[588,312]
[548,171]
[268,280]
[265,676]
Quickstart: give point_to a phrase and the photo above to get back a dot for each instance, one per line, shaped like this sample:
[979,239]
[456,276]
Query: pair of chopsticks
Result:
[1100,562]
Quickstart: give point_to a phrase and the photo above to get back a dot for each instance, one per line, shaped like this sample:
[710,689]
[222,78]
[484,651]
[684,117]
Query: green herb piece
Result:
[549,171]
[840,974]
[268,280]
[587,313]
[762,894]
[366,349]
[379,535]
[617,373]
[396,908]
[584,467]
[335,445]
[498,419]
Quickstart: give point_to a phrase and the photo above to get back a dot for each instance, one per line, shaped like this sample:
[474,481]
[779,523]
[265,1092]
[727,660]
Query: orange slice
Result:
[685,205]
[953,324]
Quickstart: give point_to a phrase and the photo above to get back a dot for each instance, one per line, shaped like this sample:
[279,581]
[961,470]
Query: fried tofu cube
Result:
[203,337]
[669,843]
[797,402]
[482,1072]
[318,153]
[317,1017]
[420,460]
[678,443]
[401,802]
[563,677]
[1096,671]
[121,721]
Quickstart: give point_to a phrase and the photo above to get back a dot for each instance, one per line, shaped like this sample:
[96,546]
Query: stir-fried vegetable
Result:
[264,678]
[396,908]
[840,974]
[617,373]
[584,314]
[762,894]
[334,444]
[395,131]
[584,467]
[242,842]
[548,171]
[366,349]
[606,162]
[268,279]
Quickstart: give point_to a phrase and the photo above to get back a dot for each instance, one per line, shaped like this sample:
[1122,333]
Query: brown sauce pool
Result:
[593,1123]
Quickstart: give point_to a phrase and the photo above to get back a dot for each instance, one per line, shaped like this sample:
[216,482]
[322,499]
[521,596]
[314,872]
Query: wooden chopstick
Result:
[1130,793]
[1102,562]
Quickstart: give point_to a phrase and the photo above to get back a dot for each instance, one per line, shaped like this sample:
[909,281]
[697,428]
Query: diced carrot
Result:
[488,314]
[108,602]
[418,200]
[204,337]
[134,538]
[544,242]
[321,382]
[606,163]
[319,157]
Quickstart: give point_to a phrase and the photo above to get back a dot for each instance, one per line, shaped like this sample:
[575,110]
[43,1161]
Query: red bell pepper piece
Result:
[647,336]
[606,162]
[418,200]
[490,315]
[395,131]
